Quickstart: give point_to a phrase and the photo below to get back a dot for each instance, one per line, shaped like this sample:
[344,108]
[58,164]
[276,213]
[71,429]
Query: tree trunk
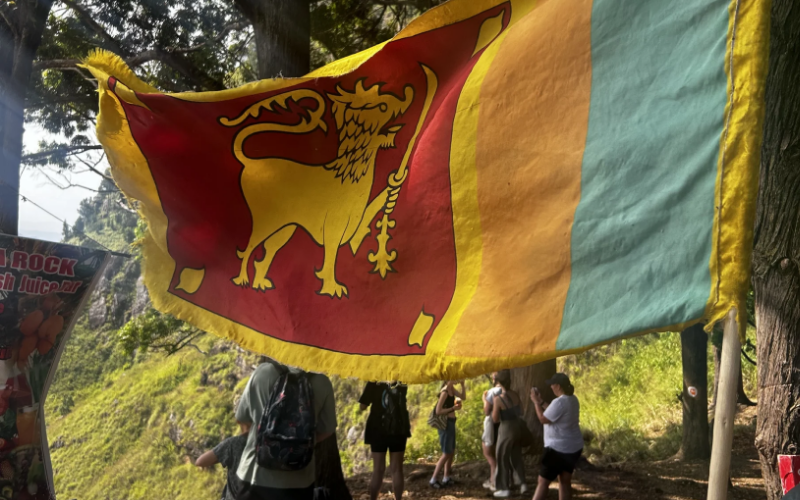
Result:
[742,397]
[694,349]
[283,35]
[329,468]
[15,74]
[522,379]
[776,256]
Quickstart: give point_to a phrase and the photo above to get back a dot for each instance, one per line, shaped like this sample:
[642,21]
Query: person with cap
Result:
[563,441]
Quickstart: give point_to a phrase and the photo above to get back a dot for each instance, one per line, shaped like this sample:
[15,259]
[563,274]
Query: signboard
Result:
[43,287]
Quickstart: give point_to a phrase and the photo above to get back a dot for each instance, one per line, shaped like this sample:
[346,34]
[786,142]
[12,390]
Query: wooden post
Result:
[725,411]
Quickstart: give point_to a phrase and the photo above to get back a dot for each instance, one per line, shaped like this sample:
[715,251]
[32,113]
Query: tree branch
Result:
[94,169]
[70,184]
[78,99]
[86,19]
[65,150]
[11,26]
[221,36]
[748,358]
[204,353]
[171,56]
[55,64]
[125,207]
[174,60]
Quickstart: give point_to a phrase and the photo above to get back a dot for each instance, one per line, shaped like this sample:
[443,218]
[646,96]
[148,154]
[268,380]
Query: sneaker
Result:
[435,484]
[502,494]
[523,489]
[448,481]
[489,486]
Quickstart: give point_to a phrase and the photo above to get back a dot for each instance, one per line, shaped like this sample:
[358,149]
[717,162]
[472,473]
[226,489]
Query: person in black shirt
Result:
[388,428]
[228,453]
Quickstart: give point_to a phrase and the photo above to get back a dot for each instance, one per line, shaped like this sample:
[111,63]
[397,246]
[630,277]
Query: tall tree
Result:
[282,35]
[21,27]
[694,350]
[522,380]
[178,45]
[776,257]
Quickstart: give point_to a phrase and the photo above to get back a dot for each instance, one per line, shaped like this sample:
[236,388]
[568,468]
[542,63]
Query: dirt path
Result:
[664,480]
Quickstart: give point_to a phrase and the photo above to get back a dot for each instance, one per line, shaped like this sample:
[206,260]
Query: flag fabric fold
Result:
[499,184]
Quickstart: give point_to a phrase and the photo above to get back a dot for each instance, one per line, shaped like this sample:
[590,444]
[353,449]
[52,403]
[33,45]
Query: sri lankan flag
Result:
[501,183]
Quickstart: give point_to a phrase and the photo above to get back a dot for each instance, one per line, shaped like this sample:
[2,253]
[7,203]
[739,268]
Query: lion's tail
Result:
[307,124]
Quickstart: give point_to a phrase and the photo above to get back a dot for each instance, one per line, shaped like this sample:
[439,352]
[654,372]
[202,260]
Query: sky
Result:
[63,203]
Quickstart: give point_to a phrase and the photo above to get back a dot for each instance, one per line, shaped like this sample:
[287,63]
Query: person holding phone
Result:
[449,403]
[563,441]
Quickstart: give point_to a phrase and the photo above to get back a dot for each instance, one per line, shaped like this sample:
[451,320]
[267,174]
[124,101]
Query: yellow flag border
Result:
[746,62]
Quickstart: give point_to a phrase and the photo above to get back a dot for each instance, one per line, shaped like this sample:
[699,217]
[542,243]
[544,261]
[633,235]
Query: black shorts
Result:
[391,444]
[554,463]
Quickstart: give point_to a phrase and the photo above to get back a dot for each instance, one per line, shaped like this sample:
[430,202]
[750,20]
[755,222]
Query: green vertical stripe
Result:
[641,240]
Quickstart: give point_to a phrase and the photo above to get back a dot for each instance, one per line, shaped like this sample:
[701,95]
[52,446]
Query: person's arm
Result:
[487,406]
[206,460]
[366,397]
[463,393]
[243,410]
[540,412]
[440,410]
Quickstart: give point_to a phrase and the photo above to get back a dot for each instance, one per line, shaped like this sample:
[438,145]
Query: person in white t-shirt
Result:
[489,437]
[563,441]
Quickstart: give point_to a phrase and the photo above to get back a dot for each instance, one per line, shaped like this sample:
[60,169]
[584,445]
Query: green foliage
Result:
[628,394]
[181,45]
[158,332]
[104,219]
[340,28]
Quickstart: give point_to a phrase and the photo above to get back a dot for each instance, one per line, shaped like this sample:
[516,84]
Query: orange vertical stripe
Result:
[534,112]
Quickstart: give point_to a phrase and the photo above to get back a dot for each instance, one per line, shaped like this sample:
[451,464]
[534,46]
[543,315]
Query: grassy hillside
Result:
[132,432]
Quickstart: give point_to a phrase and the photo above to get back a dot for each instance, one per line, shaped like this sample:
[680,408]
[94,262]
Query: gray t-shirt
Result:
[251,406]
[564,433]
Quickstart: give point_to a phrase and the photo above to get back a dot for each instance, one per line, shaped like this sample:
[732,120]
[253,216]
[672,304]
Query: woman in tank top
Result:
[449,403]
[507,412]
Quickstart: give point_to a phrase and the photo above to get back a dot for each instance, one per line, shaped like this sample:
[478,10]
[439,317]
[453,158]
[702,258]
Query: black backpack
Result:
[394,421]
[286,433]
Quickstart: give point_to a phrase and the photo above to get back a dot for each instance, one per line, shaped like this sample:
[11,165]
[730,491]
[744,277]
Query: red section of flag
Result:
[789,469]
[198,180]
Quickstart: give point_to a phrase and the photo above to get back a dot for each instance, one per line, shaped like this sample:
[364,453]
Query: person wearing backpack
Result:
[289,411]
[388,428]
[448,404]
